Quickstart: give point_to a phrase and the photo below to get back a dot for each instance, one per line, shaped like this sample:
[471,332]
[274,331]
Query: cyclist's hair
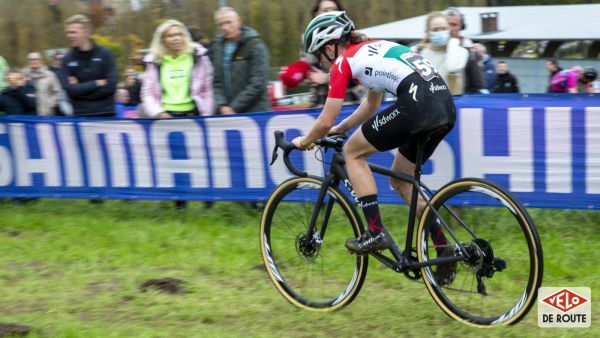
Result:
[315,7]
[80,19]
[430,18]
[157,46]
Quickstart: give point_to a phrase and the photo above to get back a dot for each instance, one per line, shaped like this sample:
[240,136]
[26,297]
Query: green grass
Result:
[72,269]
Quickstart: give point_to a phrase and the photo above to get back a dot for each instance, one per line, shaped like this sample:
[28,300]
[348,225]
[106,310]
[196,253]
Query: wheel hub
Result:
[308,248]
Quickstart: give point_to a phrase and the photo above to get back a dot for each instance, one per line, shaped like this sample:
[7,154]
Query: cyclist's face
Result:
[330,50]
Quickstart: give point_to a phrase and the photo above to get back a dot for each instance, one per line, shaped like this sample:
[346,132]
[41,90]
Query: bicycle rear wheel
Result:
[311,270]
[497,284]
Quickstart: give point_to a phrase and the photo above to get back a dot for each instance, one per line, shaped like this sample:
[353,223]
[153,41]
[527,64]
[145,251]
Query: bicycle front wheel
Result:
[497,284]
[311,269]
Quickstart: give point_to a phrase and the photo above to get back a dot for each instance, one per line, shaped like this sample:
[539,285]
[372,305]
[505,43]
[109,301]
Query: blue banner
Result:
[543,148]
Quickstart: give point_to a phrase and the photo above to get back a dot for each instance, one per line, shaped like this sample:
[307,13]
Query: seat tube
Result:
[412,215]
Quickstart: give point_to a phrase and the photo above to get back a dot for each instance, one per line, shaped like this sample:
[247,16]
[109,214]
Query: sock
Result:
[370,208]
[436,231]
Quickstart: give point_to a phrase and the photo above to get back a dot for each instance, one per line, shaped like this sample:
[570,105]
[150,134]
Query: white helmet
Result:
[326,27]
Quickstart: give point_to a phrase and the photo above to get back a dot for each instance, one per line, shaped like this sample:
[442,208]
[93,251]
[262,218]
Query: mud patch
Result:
[13,330]
[165,285]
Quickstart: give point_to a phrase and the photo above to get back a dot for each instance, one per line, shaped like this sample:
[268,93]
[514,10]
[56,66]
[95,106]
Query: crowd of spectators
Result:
[187,75]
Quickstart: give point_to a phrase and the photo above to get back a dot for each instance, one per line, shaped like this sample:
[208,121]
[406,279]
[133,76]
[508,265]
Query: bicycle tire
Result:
[324,280]
[514,287]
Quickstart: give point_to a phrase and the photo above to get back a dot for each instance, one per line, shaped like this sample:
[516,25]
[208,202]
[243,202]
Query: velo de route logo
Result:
[564,307]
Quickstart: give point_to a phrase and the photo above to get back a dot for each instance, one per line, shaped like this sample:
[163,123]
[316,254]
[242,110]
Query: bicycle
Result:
[496,248]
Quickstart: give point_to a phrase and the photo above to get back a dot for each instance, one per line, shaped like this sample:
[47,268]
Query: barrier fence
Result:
[543,148]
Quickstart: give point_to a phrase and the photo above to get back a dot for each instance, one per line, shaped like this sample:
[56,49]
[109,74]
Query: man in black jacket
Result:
[505,81]
[88,75]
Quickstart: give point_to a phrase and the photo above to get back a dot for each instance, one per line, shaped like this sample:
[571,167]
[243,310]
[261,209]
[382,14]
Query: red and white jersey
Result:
[377,65]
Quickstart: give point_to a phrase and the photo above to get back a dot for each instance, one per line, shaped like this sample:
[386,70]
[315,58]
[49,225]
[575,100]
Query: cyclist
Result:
[566,81]
[423,105]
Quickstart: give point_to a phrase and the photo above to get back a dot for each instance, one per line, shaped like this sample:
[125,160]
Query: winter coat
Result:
[47,89]
[18,101]
[506,83]
[249,73]
[201,88]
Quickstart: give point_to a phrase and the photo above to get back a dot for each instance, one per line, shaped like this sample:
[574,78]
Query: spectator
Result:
[56,64]
[178,76]
[18,98]
[46,83]
[133,86]
[474,79]
[553,68]
[444,51]
[3,72]
[505,81]
[197,36]
[241,62]
[567,81]
[122,108]
[318,76]
[489,66]
[88,74]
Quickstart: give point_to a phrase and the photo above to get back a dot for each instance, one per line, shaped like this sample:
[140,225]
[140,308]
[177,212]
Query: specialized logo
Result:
[372,50]
[383,120]
[434,88]
[565,300]
[96,59]
[73,64]
[369,71]
[413,90]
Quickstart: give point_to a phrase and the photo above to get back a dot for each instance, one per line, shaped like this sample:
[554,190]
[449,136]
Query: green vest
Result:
[175,77]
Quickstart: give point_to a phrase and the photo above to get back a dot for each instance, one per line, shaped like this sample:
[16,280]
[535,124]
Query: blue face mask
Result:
[440,38]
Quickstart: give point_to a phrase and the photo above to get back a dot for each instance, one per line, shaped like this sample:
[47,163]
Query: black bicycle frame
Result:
[403,261]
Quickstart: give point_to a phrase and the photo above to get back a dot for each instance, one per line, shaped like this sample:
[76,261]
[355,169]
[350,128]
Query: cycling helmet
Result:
[326,27]
[589,74]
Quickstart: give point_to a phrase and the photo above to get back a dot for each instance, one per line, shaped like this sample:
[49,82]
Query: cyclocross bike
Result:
[497,251]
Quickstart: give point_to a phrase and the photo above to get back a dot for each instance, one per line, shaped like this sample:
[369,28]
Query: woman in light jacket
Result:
[445,52]
[178,77]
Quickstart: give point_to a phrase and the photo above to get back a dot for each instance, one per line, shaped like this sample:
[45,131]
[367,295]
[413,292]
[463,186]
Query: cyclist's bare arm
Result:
[322,125]
[364,111]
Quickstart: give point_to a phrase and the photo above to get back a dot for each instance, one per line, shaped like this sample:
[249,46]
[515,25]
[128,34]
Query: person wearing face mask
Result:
[445,52]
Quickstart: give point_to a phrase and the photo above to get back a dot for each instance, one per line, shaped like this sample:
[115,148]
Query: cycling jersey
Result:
[377,65]
[424,103]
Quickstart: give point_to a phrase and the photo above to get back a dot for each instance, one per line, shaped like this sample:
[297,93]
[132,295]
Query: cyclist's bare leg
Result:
[404,189]
[356,152]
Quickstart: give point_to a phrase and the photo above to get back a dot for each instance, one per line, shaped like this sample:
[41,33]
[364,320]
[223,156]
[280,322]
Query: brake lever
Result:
[275,155]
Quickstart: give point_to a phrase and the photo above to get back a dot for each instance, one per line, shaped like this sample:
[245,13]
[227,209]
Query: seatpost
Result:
[414,198]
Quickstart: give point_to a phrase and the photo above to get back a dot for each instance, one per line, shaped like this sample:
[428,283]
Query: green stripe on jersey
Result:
[395,53]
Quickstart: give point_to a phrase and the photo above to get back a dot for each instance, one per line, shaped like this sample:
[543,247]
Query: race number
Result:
[422,66]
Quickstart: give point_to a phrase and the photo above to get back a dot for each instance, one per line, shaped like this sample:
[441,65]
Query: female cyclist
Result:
[423,105]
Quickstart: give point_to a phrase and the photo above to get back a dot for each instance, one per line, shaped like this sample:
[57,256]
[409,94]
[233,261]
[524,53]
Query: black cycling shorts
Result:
[421,108]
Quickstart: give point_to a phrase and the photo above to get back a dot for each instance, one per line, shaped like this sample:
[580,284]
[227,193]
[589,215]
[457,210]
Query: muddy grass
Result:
[165,285]
[13,330]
